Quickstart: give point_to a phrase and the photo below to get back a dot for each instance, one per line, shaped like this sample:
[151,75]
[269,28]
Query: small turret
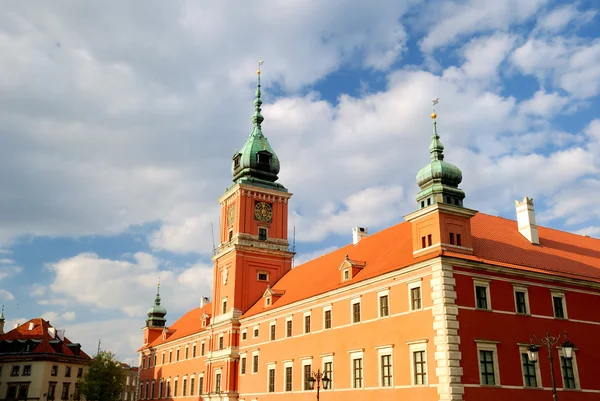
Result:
[157,313]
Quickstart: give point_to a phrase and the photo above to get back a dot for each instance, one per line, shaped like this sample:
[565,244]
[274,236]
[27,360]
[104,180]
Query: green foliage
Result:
[104,379]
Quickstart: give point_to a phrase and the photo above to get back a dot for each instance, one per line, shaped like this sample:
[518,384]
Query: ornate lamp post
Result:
[549,343]
[318,378]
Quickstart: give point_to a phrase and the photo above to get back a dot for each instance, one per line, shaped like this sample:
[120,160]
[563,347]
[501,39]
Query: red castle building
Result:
[441,306]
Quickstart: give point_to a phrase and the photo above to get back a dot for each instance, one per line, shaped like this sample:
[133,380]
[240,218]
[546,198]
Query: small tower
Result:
[441,221]
[155,323]
[2,321]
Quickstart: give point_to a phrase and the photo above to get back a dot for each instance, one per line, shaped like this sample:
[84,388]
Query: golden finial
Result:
[260,62]
[434,114]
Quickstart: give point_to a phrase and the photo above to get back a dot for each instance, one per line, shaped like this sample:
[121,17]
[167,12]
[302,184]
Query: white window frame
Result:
[271,324]
[325,309]
[271,366]
[385,293]
[304,323]
[411,285]
[254,329]
[268,301]
[288,364]
[306,361]
[200,382]
[243,355]
[575,370]
[186,353]
[219,371]
[259,272]
[224,304]
[488,293]
[357,355]
[266,228]
[254,353]
[416,346]
[221,337]
[325,359]
[538,375]
[489,346]
[561,295]
[517,288]
[244,338]
[383,351]
[352,303]
[203,348]
[289,319]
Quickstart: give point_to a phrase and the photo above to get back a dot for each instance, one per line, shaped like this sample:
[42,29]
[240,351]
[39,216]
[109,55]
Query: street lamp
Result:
[318,378]
[550,342]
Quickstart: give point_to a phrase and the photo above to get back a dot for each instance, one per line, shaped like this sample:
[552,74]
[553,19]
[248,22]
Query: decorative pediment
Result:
[205,319]
[271,296]
[349,268]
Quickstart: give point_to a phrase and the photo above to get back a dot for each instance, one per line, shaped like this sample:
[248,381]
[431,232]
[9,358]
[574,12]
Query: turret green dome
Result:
[439,179]
[256,162]
[157,313]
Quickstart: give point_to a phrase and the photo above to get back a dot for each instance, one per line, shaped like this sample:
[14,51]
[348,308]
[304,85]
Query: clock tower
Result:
[253,251]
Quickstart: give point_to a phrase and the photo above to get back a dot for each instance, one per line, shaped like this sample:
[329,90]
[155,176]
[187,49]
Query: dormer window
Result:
[268,301]
[263,160]
[350,268]
[346,274]
[236,161]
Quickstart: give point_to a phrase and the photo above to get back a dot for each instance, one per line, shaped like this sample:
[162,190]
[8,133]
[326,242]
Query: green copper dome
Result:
[156,314]
[439,179]
[256,163]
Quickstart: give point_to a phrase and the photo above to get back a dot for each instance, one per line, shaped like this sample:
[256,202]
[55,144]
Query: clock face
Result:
[263,211]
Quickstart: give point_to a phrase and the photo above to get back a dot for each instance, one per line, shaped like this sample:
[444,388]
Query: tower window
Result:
[236,161]
[263,160]
[428,239]
[422,204]
[428,201]
[263,276]
[423,243]
[458,240]
[230,235]
[262,234]
[448,200]
[451,238]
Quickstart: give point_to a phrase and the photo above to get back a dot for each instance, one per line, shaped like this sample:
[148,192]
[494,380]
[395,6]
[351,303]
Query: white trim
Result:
[305,361]
[288,364]
[244,335]
[417,346]
[255,331]
[272,324]
[380,294]
[304,315]
[327,308]
[575,370]
[327,359]
[254,353]
[353,356]
[489,346]
[519,288]
[243,356]
[272,366]
[385,351]
[486,284]
[538,376]
[412,285]
[352,303]
[562,296]
[289,319]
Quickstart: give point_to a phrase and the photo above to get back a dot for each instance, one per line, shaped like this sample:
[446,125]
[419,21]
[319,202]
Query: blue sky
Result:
[118,122]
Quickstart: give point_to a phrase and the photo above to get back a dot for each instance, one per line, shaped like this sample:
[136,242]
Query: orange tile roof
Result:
[189,323]
[495,241]
[39,332]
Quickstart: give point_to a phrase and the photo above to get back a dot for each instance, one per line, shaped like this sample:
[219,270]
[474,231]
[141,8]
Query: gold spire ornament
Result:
[260,62]
[434,114]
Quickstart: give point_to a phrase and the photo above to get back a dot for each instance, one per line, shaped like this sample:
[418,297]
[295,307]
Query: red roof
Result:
[188,324]
[38,330]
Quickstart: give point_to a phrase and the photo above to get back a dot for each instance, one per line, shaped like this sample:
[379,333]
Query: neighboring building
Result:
[37,362]
[131,380]
[439,307]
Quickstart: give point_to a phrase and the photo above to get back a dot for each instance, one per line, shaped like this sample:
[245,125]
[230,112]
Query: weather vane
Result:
[435,101]
[260,62]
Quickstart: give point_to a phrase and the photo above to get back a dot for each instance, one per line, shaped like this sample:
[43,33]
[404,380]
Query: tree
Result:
[104,379]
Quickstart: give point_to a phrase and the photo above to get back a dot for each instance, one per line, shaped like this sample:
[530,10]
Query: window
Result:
[77,393]
[255,331]
[186,352]
[160,389]
[288,378]
[163,358]
[429,240]
[288,327]
[420,368]
[272,331]
[155,359]
[194,351]
[307,373]
[170,356]
[357,372]
[307,323]
[521,300]
[568,371]
[168,389]
[328,373]
[560,309]
[268,301]
[244,335]
[229,235]
[327,318]
[255,363]
[200,384]
[27,370]
[486,363]
[263,159]
[482,295]
[177,355]
[152,390]
[65,391]
[192,380]
[54,370]
[271,380]
[236,161]
[356,311]
[79,372]
[68,371]
[384,305]
[243,365]
[221,342]
[184,388]
[386,370]
[458,239]
[218,383]
[202,347]
[451,238]
[175,383]
[423,243]
[224,306]
[24,389]
[346,274]
[16,369]
[262,234]
[414,293]
[51,390]
[529,371]
[262,276]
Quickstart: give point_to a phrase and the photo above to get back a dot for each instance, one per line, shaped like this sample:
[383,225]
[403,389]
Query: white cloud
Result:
[6,295]
[558,18]
[68,316]
[544,104]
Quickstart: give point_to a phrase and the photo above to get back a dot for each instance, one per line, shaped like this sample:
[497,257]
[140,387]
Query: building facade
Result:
[442,306]
[130,390]
[37,362]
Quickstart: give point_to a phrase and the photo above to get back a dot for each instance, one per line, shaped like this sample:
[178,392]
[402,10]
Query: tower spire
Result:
[436,149]
[257,118]
[2,314]
[156,314]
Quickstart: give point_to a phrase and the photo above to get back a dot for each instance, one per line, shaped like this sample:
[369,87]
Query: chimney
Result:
[31,325]
[204,301]
[61,334]
[52,332]
[526,220]
[359,233]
